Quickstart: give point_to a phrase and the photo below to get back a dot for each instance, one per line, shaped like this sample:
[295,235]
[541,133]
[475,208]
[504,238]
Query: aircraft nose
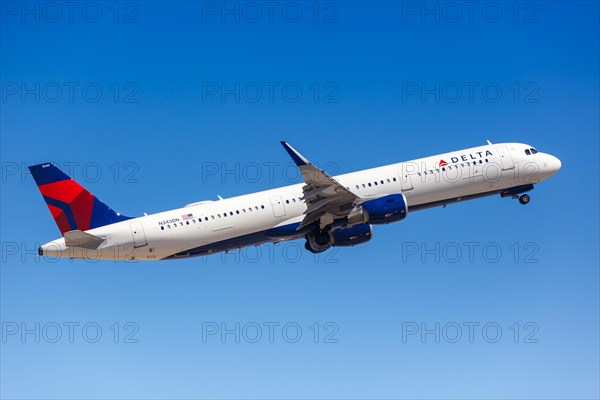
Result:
[553,164]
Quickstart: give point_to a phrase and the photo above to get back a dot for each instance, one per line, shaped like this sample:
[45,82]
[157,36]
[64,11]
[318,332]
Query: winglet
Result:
[297,157]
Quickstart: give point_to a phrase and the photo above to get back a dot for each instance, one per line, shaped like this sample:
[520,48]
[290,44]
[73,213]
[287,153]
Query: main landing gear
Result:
[318,241]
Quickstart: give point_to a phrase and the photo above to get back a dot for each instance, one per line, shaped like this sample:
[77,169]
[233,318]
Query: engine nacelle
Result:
[383,210]
[352,236]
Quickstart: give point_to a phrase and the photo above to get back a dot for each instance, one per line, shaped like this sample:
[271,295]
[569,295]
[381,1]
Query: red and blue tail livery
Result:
[71,205]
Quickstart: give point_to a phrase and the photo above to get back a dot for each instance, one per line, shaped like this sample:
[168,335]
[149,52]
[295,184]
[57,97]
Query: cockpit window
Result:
[527,152]
[533,151]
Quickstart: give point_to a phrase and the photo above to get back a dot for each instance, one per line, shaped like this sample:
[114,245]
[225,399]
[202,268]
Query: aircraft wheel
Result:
[322,238]
[317,241]
[524,199]
[307,247]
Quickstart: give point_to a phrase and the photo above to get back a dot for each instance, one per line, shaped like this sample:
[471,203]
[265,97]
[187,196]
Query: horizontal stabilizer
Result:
[78,238]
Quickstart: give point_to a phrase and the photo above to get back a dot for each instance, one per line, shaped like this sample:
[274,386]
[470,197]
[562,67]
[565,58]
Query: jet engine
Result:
[357,234]
[383,210]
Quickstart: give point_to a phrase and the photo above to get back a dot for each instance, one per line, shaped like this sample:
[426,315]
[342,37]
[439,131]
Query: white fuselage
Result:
[211,226]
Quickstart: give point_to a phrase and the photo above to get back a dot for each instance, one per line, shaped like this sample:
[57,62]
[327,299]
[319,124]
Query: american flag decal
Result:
[187,216]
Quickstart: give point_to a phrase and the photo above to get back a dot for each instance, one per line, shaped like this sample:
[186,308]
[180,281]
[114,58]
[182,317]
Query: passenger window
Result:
[394,179]
[162,228]
[375,183]
[263,207]
[237,211]
[370,184]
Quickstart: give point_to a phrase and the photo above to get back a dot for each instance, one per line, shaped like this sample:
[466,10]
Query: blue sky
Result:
[154,105]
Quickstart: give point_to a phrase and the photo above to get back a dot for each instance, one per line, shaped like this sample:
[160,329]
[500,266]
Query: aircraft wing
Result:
[326,199]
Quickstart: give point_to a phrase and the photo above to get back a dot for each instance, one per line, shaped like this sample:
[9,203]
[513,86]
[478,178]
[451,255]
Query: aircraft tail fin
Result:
[71,205]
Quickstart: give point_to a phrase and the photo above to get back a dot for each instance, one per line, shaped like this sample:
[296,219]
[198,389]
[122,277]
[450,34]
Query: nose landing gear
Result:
[524,199]
[518,193]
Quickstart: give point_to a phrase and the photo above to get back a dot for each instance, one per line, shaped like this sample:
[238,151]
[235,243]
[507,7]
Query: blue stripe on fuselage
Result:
[282,232]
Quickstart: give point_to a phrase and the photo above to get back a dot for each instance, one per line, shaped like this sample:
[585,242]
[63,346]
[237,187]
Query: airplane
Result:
[324,210]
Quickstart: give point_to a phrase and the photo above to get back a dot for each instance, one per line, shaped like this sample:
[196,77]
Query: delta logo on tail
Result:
[71,206]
